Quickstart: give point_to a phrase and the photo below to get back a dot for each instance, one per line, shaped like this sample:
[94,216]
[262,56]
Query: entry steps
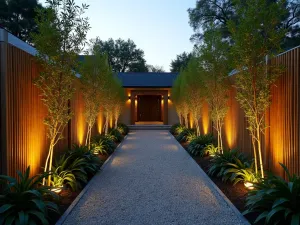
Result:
[149,127]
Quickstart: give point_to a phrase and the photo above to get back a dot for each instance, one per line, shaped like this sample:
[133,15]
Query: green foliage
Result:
[185,134]
[59,39]
[79,161]
[174,128]
[240,171]
[276,200]
[210,150]
[63,177]
[180,128]
[220,12]
[22,201]
[123,128]
[223,161]
[18,17]
[180,62]
[155,69]
[255,36]
[103,145]
[116,134]
[123,56]
[95,77]
[214,57]
[198,144]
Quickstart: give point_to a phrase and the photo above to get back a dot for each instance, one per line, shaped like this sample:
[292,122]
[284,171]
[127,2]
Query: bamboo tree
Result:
[215,60]
[256,36]
[94,80]
[195,90]
[119,102]
[61,36]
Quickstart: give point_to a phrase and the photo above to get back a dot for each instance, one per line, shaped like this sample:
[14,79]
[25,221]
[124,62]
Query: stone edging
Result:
[212,184]
[76,200]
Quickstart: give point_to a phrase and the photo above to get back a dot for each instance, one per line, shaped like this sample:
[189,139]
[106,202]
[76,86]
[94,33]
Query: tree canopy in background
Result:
[17,16]
[123,55]
[219,12]
[155,69]
[180,62]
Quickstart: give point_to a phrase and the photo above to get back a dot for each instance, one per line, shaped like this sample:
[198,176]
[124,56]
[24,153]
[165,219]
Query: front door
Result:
[149,108]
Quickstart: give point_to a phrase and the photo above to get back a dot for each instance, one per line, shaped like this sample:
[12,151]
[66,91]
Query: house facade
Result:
[149,99]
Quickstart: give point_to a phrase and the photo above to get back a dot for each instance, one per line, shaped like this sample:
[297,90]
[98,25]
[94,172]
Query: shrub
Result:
[276,200]
[123,128]
[198,144]
[23,202]
[179,129]
[103,145]
[240,172]
[210,150]
[174,127]
[116,135]
[80,162]
[183,136]
[222,161]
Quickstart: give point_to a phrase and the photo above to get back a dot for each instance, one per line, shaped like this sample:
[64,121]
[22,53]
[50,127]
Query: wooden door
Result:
[149,108]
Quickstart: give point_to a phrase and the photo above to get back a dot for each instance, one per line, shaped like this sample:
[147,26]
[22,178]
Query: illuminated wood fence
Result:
[282,137]
[22,131]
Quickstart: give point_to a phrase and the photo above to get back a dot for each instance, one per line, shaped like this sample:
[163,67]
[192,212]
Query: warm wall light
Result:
[205,118]
[100,122]
[191,122]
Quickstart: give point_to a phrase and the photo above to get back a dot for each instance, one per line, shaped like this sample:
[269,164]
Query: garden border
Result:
[212,184]
[76,200]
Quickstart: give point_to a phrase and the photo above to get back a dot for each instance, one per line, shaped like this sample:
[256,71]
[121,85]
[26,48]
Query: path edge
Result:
[84,190]
[217,189]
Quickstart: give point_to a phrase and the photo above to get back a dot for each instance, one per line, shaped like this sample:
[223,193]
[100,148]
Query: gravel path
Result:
[151,179]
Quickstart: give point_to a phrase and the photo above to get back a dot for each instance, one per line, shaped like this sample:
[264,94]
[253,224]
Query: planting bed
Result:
[237,194]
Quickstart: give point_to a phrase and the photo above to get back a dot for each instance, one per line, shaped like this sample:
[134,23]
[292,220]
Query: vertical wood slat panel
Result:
[27,143]
[281,142]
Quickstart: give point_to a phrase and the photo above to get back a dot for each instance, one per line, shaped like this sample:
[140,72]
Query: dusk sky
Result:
[159,27]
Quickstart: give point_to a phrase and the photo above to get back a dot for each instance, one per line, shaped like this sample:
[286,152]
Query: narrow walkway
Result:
[152,180]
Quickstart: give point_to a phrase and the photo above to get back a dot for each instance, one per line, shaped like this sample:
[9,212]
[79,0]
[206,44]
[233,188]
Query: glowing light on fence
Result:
[205,118]
[191,121]
[100,122]
[228,131]
[111,121]
[80,128]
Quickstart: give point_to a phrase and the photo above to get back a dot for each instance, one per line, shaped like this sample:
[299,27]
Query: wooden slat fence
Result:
[23,133]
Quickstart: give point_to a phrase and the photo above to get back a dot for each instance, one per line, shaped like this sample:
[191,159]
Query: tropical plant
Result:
[187,132]
[179,129]
[174,127]
[123,129]
[222,161]
[276,200]
[198,144]
[61,178]
[22,201]
[60,37]
[210,150]
[240,171]
[79,161]
[103,145]
[117,135]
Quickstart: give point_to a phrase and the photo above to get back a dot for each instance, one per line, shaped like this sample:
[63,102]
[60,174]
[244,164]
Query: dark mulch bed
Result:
[237,194]
[67,197]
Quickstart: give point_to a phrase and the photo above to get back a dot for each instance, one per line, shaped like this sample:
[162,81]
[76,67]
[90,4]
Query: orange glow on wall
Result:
[100,122]
[111,121]
[228,132]
[205,118]
[80,128]
[191,121]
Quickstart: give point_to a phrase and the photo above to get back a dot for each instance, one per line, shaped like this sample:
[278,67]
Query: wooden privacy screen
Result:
[281,141]
[23,133]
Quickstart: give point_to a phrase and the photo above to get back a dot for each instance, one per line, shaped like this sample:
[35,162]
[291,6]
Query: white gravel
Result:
[151,179]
